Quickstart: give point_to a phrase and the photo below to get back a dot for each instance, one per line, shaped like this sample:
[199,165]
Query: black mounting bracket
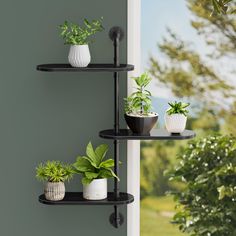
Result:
[116,221]
[116,33]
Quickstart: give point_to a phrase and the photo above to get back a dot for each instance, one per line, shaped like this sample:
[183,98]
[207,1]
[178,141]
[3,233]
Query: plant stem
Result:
[142,110]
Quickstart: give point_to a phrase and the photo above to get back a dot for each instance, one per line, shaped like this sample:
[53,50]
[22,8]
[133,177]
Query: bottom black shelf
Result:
[76,198]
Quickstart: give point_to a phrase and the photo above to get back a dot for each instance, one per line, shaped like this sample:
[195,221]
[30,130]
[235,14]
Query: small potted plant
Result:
[95,171]
[55,173]
[78,37]
[176,117]
[138,114]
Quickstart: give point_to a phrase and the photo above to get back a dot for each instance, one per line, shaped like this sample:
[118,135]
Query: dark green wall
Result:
[51,115]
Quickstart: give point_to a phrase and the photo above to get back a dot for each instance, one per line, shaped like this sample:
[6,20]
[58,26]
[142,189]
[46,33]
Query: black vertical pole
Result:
[116,125]
[116,112]
[116,35]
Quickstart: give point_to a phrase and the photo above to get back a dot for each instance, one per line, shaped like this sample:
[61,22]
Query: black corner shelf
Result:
[76,198]
[155,134]
[89,68]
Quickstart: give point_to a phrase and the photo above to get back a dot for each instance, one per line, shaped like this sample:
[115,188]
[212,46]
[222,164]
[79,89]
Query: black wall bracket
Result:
[115,220]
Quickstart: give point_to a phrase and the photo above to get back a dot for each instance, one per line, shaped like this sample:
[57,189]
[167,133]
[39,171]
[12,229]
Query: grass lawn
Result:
[156,216]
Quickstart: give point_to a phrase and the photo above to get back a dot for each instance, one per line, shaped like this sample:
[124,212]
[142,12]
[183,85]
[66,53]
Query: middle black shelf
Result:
[155,134]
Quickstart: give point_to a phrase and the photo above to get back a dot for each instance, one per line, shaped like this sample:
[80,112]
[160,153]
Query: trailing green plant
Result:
[140,101]
[75,34]
[178,108]
[54,171]
[207,205]
[93,166]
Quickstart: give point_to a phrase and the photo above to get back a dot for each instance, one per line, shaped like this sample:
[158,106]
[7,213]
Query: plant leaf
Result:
[91,175]
[107,164]
[91,154]
[103,173]
[100,152]
[83,165]
[86,181]
[90,161]
[112,173]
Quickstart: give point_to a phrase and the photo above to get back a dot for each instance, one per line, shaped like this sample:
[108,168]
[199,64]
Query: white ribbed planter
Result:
[175,123]
[96,190]
[79,55]
[54,191]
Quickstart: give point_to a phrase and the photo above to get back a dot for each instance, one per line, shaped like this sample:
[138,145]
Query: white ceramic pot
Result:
[175,123]
[54,191]
[96,190]
[79,55]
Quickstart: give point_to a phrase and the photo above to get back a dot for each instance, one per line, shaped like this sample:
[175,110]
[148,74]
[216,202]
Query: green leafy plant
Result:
[140,102]
[207,204]
[74,34]
[178,108]
[93,166]
[54,171]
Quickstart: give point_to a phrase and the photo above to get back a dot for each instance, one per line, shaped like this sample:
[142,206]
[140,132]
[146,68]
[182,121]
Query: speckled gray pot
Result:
[54,191]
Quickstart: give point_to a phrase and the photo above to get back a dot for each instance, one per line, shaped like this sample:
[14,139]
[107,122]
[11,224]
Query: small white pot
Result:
[96,190]
[54,191]
[79,55]
[175,123]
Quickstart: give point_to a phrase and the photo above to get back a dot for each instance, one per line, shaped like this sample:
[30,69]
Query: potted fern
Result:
[138,105]
[176,117]
[54,173]
[95,171]
[78,37]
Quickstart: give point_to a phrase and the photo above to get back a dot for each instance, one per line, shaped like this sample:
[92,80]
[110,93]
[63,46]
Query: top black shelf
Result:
[89,68]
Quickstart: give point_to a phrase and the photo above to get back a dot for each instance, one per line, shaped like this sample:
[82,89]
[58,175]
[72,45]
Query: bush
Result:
[207,205]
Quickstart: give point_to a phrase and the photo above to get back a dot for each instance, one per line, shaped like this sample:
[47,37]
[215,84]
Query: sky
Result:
[156,16]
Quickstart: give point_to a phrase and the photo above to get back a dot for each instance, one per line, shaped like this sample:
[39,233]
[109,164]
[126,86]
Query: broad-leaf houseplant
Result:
[95,171]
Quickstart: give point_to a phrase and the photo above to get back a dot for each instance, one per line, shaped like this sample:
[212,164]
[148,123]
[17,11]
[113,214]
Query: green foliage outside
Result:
[140,102]
[156,158]
[178,108]
[191,76]
[156,214]
[75,34]
[93,166]
[221,28]
[223,6]
[208,202]
[54,171]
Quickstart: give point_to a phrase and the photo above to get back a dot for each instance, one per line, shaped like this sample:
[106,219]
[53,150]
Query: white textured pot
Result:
[54,191]
[79,55]
[96,190]
[175,123]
